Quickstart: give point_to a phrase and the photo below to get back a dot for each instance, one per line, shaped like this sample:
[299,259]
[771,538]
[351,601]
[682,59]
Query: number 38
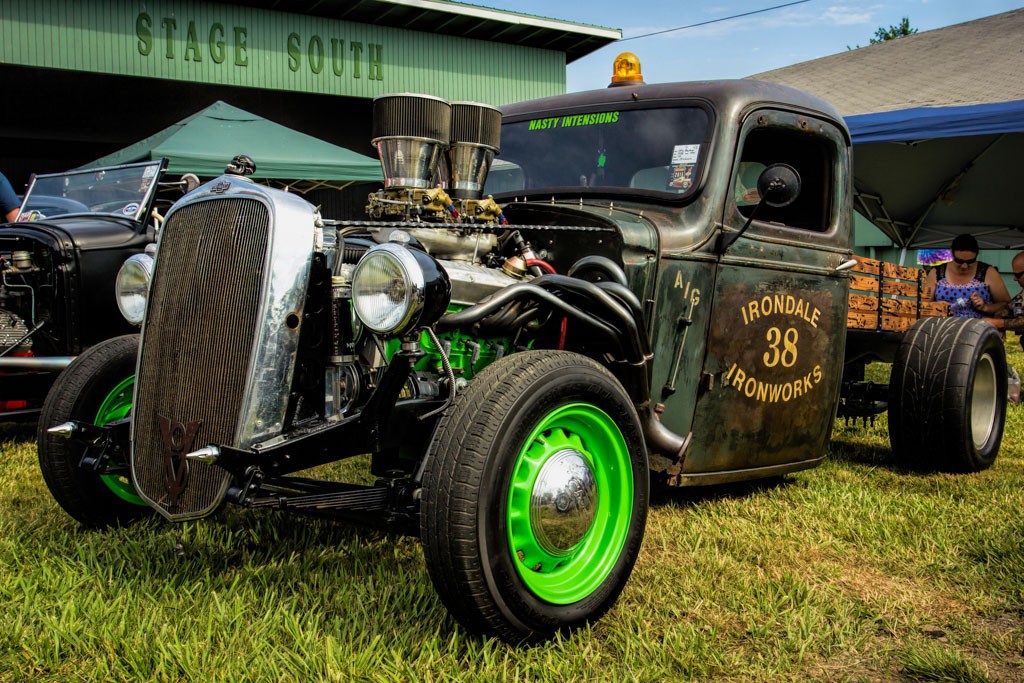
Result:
[787,353]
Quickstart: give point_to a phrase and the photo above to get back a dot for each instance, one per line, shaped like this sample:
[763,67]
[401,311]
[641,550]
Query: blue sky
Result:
[738,47]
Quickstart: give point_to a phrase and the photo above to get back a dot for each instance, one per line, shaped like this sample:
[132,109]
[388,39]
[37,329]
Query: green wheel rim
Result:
[116,406]
[591,434]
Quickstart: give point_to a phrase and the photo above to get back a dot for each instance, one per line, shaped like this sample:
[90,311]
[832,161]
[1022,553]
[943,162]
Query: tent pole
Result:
[881,219]
[951,185]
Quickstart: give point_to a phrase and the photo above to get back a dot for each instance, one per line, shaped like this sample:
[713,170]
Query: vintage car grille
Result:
[201,327]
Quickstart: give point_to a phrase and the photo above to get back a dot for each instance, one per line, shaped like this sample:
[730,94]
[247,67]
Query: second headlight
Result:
[132,287]
[396,289]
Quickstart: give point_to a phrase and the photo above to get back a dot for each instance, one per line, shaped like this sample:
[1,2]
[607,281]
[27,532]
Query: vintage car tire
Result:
[947,395]
[527,422]
[95,388]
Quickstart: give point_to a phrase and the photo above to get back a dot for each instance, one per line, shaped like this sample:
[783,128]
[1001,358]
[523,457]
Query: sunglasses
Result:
[1017,276]
[965,261]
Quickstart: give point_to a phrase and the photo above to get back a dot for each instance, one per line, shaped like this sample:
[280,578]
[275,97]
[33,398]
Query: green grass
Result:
[856,570]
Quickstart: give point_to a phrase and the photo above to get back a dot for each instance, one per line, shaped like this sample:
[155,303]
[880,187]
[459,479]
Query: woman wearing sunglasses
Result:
[973,288]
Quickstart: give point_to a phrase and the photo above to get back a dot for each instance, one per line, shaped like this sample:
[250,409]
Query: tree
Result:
[892,33]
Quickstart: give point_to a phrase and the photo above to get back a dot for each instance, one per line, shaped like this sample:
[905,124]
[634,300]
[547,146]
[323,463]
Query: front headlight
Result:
[395,289]
[132,287]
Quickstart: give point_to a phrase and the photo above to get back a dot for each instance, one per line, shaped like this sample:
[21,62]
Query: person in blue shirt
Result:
[973,288]
[9,203]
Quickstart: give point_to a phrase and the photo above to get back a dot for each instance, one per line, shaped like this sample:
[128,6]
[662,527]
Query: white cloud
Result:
[841,15]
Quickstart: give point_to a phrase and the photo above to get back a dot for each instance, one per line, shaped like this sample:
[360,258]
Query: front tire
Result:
[535,497]
[947,395]
[96,388]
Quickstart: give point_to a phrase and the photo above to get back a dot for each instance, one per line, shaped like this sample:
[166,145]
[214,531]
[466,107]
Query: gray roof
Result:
[976,62]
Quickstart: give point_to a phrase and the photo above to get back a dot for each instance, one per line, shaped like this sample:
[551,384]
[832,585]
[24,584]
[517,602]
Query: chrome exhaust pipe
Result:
[35,362]
[660,438]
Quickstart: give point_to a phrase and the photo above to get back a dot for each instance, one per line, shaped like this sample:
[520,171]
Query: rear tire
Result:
[947,395]
[96,388]
[535,497]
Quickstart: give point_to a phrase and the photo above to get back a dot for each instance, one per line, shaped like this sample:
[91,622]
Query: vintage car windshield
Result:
[656,150]
[119,191]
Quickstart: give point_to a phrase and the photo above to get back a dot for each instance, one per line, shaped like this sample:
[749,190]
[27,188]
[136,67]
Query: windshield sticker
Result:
[575,120]
[684,160]
[130,209]
[685,154]
[681,177]
[149,171]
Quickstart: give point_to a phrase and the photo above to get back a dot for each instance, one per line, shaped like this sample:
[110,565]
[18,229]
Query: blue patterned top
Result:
[959,296]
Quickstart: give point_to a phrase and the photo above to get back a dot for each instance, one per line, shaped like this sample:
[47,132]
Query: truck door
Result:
[774,352]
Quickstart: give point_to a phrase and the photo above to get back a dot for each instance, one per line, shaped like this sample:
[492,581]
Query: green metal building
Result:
[82,78]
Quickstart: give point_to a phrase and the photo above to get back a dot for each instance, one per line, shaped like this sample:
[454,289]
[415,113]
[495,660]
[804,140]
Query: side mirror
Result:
[778,186]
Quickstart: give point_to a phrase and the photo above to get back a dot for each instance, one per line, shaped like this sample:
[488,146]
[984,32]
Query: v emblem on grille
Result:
[178,438]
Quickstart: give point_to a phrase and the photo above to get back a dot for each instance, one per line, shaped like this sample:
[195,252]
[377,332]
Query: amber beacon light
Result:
[626,70]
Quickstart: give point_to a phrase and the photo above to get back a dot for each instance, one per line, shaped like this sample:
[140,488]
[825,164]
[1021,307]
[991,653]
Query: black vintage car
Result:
[58,264]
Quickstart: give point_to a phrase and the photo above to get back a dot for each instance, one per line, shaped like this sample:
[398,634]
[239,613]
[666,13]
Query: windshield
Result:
[119,191]
[655,150]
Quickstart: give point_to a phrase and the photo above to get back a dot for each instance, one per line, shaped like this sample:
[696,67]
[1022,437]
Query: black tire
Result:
[947,395]
[78,394]
[516,422]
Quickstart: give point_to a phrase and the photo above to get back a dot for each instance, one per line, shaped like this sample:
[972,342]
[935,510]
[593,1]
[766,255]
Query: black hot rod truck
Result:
[651,285]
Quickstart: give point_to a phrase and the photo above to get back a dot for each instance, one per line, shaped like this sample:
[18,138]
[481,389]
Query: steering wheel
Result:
[51,205]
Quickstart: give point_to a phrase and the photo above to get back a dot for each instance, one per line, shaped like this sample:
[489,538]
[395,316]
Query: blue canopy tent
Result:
[923,123]
[926,174]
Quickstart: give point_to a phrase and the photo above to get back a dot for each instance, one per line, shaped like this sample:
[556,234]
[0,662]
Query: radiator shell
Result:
[220,337]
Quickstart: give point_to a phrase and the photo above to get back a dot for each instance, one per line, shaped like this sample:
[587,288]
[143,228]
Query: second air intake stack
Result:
[475,140]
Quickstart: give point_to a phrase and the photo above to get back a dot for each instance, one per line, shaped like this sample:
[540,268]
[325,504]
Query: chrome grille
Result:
[200,331]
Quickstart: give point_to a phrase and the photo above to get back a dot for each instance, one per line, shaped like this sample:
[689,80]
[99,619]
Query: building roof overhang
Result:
[457,19]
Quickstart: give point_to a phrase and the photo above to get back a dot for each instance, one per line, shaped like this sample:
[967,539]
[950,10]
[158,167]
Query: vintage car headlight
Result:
[132,287]
[395,289]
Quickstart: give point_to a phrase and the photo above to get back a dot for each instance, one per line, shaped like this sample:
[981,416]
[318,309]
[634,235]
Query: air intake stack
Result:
[475,140]
[410,133]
